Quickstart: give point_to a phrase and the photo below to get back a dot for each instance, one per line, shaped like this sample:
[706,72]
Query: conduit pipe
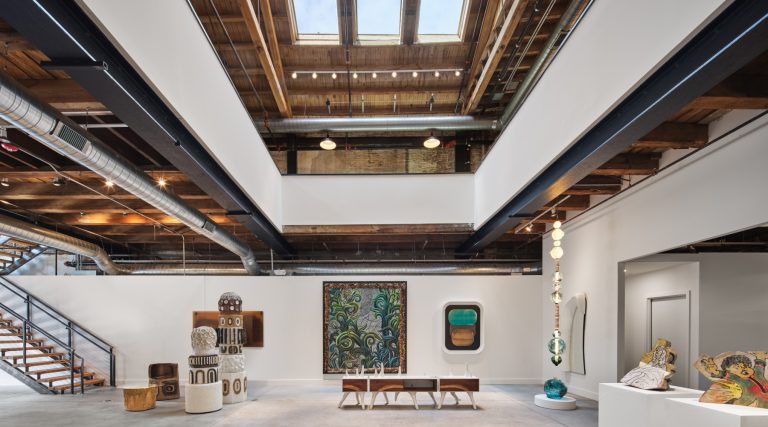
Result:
[378,124]
[67,138]
[42,236]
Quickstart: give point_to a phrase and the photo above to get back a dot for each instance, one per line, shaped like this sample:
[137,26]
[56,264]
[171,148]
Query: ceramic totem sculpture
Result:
[231,337]
[203,390]
[655,369]
[738,378]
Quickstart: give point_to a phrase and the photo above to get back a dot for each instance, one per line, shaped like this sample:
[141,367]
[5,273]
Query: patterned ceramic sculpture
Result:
[231,337]
[203,391]
[655,369]
[738,378]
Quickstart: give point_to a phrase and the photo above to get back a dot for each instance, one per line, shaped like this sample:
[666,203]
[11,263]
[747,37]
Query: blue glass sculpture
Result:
[555,389]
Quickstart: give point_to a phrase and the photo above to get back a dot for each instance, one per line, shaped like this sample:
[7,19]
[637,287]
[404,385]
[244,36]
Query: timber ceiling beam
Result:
[266,60]
[740,91]
[62,94]
[410,29]
[499,46]
[274,46]
[674,135]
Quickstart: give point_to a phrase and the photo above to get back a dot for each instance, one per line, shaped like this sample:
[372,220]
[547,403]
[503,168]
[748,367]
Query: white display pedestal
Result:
[625,406]
[691,412]
[565,403]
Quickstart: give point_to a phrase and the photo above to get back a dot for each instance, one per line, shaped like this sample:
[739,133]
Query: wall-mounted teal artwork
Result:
[462,327]
[364,326]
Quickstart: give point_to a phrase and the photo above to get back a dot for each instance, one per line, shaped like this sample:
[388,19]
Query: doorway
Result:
[669,317]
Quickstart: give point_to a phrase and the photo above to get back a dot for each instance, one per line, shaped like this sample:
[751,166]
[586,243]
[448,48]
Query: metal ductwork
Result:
[378,124]
[42,236]
[67,138]
[330,269]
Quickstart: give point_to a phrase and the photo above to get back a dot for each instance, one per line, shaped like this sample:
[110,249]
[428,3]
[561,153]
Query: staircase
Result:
[49,360]
[14,253]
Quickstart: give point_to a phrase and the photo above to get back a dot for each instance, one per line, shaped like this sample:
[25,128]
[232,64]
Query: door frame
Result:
[649,321]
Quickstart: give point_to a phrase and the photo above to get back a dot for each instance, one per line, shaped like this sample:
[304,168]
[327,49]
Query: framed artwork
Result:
[253,323]
[364,325]
[462,327]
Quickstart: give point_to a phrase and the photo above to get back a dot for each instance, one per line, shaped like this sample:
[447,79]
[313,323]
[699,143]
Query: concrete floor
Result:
[292,405]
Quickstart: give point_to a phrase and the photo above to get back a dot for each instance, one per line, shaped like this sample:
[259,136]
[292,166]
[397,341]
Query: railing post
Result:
[111,367]
[72,359]
[82,383]
[24,344]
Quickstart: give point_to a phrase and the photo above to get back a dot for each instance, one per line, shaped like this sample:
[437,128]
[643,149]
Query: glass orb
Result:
[556,359]
[555,389]
[556,345]
[557,234]
[556,297]
[556,252]
[557,276]
[557,224]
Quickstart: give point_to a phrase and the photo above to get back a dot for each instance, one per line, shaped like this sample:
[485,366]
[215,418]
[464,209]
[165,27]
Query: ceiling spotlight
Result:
[294,75]
[6,143]
[457,73]
[327,143]
[58,182]
[437,74]
[4,182]
[161,182]
[394,74]
[354,75]
[314,75]
[82,213]
[431,142]
[529,228]
[415,74]
[333,76]
[374,75]
[109,183]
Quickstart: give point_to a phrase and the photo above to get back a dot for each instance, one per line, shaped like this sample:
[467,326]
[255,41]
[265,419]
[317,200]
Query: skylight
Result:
[316,21]
[441,20]
[378,21]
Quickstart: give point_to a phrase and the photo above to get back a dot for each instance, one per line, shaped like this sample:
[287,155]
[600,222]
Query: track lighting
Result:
[529,228]
[4,182]
[58,182]
[314,75]
[327,143]
[294,75]
[431,142]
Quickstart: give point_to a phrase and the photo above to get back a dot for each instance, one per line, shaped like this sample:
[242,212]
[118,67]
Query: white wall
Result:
[671,278]
[173,53]
[713,193]
[616,46]
[148,319]
[394,199]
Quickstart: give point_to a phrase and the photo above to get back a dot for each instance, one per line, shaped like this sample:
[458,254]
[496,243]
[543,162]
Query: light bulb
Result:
[314,75]
[333,76]
[415,74]
[109,183]
[457,73]
[437,74]
[354,75]
[294,75]
[327,144]
[374,75]
[394,74]
[161,182]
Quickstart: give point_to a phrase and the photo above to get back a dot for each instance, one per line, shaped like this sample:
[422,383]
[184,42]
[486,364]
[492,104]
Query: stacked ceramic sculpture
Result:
[655,368]
[231,337]
[203,392]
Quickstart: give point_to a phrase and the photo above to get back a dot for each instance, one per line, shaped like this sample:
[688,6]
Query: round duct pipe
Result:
[378,124]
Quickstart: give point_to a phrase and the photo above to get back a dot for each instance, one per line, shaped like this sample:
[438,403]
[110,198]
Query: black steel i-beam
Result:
[75,44]
[734,38]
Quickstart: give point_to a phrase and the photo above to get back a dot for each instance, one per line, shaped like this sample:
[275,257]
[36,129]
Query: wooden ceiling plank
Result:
[505,34]
[274,46]
[674,135]
[254,29]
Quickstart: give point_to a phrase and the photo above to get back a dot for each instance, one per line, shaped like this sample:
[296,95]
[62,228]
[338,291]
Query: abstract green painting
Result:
[364,326]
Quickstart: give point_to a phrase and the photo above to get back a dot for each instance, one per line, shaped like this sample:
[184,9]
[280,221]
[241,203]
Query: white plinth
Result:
[689,411]
[565,403]
[202,398]
[625,406]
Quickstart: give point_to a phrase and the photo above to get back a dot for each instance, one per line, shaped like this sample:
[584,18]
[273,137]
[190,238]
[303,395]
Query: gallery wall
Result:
[148,319]
[692,201]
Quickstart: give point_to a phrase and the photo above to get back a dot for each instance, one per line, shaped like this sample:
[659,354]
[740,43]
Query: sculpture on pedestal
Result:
[655,369]
[231,337]
[203,390]
[738,378]
[556,344]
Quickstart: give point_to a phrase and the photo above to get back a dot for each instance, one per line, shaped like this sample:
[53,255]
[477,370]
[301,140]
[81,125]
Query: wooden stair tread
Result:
[52,370]
[36,347]
[9,334]
[34,356]
[64,377]
[95,381]
[19,341]
[48,362]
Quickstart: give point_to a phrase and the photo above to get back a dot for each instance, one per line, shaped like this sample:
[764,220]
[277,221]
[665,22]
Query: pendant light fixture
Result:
[327,143]
[556,344]
[431,142]
[6,143]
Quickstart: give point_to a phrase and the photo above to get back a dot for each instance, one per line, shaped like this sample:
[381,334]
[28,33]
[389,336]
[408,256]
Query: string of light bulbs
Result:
[375,74]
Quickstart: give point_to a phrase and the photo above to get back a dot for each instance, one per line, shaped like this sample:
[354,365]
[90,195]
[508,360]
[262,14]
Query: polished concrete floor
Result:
[293,405]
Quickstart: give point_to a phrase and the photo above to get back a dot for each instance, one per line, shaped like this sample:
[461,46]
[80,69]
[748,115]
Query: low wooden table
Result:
[410,384]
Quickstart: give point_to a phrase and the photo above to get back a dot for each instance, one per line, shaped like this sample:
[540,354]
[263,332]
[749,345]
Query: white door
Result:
[670,319]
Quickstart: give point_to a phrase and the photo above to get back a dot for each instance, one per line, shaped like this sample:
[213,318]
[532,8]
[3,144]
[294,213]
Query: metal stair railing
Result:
[73,328]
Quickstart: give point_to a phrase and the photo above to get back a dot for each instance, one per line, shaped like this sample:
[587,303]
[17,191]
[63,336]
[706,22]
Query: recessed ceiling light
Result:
[327,143]
[314,75]
[333,76]
[294,75]
[431,142]
[354,75]
[394,74]
[437,74]
[374,75]
[415,74]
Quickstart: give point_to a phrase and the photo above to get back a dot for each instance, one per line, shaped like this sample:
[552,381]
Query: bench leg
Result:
[472,398]
[413,397]
[343,398]
[397,393]
[360,399]
[442,399]
[373,399]
[386,399]
[455,396]
[432,395]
